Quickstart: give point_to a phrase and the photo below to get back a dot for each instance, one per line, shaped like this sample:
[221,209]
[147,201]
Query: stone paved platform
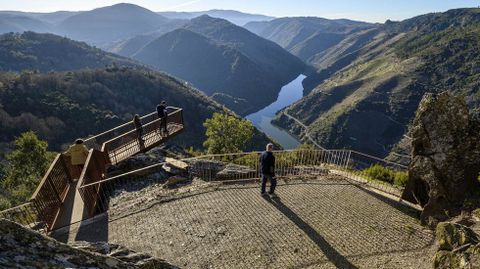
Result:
[322,223]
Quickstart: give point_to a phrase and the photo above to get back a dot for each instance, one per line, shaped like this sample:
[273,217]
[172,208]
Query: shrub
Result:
[378,172]
[4,203]
[227,134]
[400,179]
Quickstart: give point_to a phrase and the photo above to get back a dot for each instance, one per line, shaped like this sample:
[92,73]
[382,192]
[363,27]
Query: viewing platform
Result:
[321,222]
[57,201]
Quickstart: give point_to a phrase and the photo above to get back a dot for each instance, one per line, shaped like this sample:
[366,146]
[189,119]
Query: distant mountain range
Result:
[233,16]
[363,85]
[307,37]
[48,52]
[109,25]
[240,64]
[369,87]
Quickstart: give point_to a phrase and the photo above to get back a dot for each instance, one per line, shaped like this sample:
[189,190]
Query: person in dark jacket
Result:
[267,161]
[139,129]
[162,115]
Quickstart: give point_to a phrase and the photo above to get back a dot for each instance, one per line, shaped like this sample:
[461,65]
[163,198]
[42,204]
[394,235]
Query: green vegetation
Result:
[366,100]
[27,164]
[307,37]
[378,172]
[227,61]
[227,134]
[47,52]
[302,155]
[60,107]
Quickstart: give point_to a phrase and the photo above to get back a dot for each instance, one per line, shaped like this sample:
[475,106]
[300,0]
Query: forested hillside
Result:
[48,52]
[239,69]
[369,102]
[212,67]
[308,37]
[60,107]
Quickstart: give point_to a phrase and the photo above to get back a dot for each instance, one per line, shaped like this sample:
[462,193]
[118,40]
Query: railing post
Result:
[348,158]
[54,190]
[65,168]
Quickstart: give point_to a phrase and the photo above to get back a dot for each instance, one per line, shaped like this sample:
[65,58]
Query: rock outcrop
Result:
[458,247]
[445,157]
[21,247]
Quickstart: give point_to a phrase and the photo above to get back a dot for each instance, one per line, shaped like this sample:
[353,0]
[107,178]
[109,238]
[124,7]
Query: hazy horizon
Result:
[370,10]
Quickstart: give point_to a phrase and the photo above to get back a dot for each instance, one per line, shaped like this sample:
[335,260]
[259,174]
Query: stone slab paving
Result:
[322,223]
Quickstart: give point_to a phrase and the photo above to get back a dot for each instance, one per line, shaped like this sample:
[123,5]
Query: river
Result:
[289,93]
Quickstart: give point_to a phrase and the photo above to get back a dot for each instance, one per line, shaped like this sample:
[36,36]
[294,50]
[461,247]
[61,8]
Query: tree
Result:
[27,164]
[227,134]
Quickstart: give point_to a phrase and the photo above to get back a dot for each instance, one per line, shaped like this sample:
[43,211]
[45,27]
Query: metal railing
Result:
[52,190]
[97,141]
[127,144]
[25,214]
[94,171]
[97,194]
[112,146]
[344,164]
[377,173]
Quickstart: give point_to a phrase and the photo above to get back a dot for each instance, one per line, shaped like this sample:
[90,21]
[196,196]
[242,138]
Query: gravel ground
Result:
[319,223]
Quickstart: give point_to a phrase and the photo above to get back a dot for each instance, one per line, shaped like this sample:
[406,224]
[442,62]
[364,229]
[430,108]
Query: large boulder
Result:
[21,247]
[458,247]
[445,162]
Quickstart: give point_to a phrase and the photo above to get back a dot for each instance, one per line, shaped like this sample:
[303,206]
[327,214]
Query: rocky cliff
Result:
[458,247]
[445,163]
[23,248]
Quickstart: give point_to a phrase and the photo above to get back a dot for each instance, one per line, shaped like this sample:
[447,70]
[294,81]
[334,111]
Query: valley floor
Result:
[317,223]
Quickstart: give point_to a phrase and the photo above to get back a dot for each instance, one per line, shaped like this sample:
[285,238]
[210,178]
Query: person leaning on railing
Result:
[78,153]
[162,113]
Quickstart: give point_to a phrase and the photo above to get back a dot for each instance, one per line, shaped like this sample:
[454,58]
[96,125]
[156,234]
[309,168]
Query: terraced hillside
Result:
[372,93]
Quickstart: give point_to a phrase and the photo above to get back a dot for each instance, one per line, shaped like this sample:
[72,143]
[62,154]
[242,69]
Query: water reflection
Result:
[262,119]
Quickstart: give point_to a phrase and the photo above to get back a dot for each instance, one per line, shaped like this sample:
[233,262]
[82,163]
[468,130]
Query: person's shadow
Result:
[331,253]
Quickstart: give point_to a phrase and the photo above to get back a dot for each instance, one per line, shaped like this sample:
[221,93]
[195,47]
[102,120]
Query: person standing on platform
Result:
[78,154]
[267,162]
[139,129]
[162,115]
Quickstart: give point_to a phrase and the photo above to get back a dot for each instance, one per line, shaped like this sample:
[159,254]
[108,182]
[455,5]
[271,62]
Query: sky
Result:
[365,10]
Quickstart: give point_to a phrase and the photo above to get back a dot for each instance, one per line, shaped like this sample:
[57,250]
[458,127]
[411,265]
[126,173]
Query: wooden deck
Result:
[60,200]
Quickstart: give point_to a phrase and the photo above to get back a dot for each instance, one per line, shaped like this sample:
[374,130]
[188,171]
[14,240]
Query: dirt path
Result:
[324,223]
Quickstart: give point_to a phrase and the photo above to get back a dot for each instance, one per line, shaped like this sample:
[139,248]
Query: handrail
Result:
[81,178]
[123,175]
[42,182]
[378,159]
[123,146]
[297,162]
[117,128]
[129,133]
[15,207]
[125,125]
[53,188]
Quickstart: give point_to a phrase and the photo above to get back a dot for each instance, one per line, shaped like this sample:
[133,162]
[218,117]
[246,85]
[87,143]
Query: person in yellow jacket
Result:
[78,153]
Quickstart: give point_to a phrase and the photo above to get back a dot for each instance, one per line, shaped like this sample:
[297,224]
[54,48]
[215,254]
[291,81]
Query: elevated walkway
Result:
[59,202]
